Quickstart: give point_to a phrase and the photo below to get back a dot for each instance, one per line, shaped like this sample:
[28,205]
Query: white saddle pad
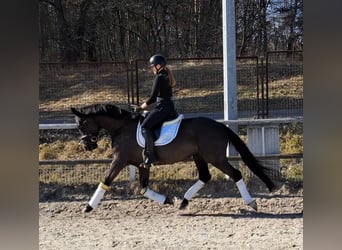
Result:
[168,132]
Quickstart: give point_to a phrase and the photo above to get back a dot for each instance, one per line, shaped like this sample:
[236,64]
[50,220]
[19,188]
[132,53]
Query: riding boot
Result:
[149,153]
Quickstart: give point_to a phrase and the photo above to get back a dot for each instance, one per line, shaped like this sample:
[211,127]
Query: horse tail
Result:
[250,160]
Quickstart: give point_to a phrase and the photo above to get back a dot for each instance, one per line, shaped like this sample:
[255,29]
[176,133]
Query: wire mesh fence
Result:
[199,88]
[271,87]
[284,77]
[93,173]
[62,86]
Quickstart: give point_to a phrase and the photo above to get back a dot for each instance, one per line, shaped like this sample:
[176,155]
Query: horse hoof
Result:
[253,205]
[87,209]
[184,204]
[168,201]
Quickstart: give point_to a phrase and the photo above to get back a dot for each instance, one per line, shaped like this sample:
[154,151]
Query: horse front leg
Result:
[116,167]
[144,177]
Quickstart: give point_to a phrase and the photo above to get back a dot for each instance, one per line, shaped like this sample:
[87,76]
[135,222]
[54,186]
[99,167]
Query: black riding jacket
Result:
[161,87]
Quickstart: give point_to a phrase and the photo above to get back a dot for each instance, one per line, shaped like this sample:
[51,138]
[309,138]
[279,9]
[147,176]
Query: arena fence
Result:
[92,172]
[262,136]
[270,87]
[267,88]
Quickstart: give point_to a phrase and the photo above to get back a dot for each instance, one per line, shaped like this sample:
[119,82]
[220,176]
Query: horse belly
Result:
[176,151]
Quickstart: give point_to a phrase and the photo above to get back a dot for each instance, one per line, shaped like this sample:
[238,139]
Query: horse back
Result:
[205,129]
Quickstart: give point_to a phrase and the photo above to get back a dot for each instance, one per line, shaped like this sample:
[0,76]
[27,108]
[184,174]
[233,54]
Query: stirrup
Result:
[148,163]
[154,160]
[142,165]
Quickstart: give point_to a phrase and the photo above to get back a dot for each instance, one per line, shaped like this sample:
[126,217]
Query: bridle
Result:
[89,139]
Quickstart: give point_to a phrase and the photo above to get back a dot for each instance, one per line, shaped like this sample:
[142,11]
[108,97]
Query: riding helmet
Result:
[157,59]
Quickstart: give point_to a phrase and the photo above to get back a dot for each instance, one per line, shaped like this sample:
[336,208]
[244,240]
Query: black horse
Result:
[203,139]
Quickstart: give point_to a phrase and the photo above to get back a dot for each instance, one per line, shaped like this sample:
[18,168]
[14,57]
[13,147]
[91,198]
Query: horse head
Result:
[91,119]
[88,128]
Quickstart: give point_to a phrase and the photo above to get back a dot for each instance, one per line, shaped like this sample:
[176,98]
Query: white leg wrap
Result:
[98,195]
[193,190]
[243,191]
[154,196]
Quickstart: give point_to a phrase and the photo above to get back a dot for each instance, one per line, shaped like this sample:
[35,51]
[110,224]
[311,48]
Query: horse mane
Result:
[105,109]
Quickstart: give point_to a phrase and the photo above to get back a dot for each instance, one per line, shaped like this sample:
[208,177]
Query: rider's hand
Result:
[143,106]
[135,108]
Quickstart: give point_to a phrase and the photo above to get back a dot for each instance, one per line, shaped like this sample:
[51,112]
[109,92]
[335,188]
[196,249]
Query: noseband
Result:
[89,141]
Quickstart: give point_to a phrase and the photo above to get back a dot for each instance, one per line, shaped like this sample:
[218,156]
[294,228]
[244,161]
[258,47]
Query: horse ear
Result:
[76,112]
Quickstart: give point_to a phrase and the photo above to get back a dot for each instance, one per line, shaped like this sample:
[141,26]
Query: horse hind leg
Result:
[236,175]
[204,177]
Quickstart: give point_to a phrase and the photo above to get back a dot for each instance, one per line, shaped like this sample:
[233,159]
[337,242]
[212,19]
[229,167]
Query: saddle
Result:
[164,134]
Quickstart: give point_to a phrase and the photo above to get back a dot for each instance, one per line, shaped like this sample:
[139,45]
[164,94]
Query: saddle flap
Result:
[168,132]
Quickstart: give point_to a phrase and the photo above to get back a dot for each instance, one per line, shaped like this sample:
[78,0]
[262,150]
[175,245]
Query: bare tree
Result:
[102,30]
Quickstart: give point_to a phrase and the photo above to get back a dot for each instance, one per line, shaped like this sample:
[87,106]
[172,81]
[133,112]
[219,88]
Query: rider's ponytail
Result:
[172,80]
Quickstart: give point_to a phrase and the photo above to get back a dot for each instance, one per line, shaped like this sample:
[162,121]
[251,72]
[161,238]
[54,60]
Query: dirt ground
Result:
[207,223]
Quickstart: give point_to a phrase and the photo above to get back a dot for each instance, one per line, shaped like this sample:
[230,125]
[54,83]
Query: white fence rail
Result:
[262,140]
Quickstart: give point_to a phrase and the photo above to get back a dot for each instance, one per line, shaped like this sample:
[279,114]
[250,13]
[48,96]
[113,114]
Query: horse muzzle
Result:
[89,142]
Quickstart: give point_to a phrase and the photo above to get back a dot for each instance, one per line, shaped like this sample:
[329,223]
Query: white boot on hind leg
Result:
[245,194]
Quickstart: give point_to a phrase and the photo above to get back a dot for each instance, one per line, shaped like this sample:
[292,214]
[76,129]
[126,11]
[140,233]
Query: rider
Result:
[161,94]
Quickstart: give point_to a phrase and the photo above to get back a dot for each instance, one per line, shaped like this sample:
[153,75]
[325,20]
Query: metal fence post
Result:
[132,173]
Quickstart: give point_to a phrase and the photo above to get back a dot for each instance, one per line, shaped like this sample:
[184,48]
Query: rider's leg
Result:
[154,119]
[149,151]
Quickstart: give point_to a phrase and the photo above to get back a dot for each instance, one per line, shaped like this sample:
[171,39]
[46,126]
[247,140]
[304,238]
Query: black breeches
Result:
[158,115]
